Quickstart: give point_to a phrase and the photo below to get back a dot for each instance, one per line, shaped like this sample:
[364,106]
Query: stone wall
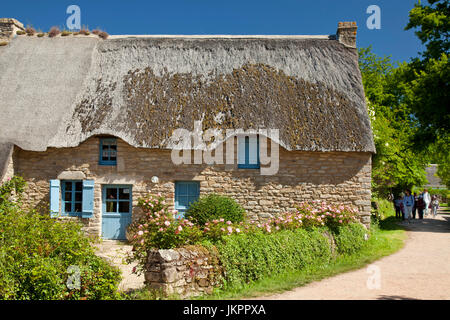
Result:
[182,271]
[335,177]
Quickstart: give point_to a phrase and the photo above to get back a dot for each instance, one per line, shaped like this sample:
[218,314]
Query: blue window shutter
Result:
[88,199]
[54,198]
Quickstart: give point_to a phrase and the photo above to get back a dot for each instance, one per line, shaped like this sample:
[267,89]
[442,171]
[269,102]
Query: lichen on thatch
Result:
[142,89]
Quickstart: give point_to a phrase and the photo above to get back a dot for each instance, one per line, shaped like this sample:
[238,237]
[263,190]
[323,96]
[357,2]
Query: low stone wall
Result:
[186,271]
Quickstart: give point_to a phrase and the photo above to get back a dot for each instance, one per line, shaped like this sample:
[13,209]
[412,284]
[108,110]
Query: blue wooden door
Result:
[116,215]
[186,192]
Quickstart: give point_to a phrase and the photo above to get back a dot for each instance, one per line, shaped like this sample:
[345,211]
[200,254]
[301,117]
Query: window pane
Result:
[111,206]
[78,186]
[78,196]
[68,185]
[113,148]
[182,189]
[105,155]
[77,207]
[68,196]
[253,150]
[124,193]
[68,207]
[124,206]
[111,193]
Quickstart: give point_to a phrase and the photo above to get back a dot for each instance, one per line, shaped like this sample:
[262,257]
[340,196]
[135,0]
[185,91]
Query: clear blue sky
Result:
[231,17]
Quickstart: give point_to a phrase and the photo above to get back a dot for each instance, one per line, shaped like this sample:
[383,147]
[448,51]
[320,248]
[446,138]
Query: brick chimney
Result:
[8,28]
[346,33]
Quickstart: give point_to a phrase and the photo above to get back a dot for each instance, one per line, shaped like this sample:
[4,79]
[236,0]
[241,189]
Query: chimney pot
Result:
[8,28]
[346,33]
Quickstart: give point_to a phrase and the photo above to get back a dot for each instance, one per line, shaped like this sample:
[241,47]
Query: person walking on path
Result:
[427,200]
[408,204]
[414,210]
[434,205]
[398,209]
[420,205]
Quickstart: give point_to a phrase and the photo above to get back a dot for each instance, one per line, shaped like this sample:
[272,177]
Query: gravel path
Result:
[420,270]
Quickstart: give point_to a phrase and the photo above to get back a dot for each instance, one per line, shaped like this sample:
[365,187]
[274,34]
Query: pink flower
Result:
[340,221]
[221,220]
[179,228]
[207,224]
[230,229]
[167,223]
[161,230]
[228,222]
[206,229]
[222,229]
[238,230]
[140,233]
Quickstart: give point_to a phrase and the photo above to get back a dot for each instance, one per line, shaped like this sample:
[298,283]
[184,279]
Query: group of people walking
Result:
[407,205]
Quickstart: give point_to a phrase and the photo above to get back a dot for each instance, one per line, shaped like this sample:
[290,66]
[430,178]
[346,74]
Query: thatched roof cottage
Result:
[89,122]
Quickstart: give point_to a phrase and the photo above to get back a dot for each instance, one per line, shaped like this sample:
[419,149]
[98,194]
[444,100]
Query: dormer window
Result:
[108,152]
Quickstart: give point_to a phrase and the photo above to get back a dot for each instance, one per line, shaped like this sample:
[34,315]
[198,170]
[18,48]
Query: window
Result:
[77,198]
[108,151]
[117,199]
[186,192]
[72,197]
[248,152]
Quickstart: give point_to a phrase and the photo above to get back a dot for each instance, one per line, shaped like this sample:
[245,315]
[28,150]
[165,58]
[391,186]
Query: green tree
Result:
[396,165]
[426,79]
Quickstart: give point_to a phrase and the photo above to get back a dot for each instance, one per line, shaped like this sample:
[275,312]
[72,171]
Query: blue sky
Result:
[231,17]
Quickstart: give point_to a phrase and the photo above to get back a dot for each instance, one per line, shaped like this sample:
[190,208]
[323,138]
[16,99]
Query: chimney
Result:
[346,33]
[8,28]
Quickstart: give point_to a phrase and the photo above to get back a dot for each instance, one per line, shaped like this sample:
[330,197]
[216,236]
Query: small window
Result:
[108,152]
[248,152]
[186,192]
[72,197]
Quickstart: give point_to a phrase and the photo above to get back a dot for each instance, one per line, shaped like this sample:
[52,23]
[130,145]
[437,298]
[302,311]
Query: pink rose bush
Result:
[162,228]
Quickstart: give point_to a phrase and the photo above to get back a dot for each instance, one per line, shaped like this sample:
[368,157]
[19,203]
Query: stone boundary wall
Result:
[189,271]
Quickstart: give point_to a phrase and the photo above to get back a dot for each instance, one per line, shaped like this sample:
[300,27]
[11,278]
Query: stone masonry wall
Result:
[334,177]
[182,271]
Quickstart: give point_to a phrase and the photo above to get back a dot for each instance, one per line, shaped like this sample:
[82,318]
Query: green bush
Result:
[36,252]
[253,256]
[384,208]
[350,238]
[215,206]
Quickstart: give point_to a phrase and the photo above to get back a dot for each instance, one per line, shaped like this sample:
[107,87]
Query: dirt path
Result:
[420,270]
[115,252]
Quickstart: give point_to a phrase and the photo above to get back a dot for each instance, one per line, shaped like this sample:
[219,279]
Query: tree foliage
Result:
[395,165]
[427,79]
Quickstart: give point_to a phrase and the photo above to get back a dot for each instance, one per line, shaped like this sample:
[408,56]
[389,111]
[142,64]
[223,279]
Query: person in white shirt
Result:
[434,205]
[408,204]
[427,200]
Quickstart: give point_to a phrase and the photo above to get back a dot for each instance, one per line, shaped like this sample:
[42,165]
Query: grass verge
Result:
[386,238]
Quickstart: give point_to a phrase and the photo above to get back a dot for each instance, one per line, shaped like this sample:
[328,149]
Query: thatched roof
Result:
[57,92]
